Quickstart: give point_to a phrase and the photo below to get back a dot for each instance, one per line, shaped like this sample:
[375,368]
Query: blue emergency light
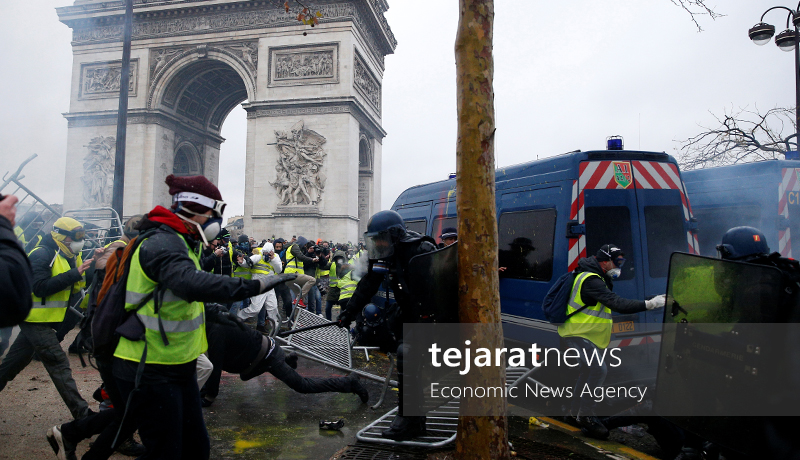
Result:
[614,143]
[451,176]
[791,155]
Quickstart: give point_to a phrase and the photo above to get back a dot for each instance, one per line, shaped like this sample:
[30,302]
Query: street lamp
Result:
[787,41]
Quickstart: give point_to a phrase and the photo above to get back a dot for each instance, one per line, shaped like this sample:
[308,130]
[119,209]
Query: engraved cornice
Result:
[138,116]
[184,18]
[322,106]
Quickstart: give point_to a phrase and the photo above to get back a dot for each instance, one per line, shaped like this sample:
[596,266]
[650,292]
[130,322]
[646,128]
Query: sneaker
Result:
[301,304]
[131,448]
[64,449]
[592,426]
[358,389]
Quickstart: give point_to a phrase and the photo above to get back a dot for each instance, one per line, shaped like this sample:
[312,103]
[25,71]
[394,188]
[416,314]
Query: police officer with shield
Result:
[390,248]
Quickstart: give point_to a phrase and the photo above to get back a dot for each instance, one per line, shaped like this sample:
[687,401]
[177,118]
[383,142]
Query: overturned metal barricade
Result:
[442,422]
[32,210]
[332,346]
[101,225]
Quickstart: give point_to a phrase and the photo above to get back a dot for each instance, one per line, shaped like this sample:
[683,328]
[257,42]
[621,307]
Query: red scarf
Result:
[164,216]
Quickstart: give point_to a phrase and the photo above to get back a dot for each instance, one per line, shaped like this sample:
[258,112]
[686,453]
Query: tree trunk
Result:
[479,297]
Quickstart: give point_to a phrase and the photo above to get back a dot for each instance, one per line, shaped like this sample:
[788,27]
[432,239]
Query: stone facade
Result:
[313,107]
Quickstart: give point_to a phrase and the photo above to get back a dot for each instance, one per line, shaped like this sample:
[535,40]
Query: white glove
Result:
[656,302]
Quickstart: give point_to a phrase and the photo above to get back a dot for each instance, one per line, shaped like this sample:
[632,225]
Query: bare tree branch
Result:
[697,8]
[741,137]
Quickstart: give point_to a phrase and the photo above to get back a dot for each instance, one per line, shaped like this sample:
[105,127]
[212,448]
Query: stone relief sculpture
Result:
[306,64]
[300,179]
[98,172]
[103,79]
[248,52]
[365,82]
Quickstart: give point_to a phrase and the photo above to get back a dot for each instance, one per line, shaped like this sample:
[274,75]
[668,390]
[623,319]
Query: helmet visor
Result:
[379,245]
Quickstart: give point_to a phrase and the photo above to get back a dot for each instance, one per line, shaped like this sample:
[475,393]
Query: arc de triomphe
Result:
[313,106]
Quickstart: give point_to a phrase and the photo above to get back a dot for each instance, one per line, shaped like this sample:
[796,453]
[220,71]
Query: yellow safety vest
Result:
[52,309]
[183,321]
[347,286]
[291,262]
[592,323]
[320,273]
[20,234]
[262,268]
[240,272]
[334,279]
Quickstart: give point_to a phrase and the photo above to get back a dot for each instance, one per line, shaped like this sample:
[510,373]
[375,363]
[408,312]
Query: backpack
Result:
[109,319]
[555,302]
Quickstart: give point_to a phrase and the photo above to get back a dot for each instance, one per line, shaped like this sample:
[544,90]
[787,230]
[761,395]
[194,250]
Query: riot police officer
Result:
[390,247]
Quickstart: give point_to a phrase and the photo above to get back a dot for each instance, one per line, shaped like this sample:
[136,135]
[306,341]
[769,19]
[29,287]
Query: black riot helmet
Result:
[742,242]
[385,228]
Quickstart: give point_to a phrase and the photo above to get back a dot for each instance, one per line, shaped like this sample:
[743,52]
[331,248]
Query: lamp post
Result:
[787,41]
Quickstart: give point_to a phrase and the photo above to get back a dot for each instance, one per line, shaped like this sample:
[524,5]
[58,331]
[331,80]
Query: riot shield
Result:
[433,281]
[721,354]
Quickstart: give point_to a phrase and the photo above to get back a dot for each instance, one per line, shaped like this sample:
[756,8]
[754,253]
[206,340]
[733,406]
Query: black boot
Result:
[592,426]
[358,389]
[405,428]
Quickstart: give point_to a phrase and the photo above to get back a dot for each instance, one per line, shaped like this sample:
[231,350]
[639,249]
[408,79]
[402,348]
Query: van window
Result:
[526,244]
[441,223]
[712,223]
[419,226]
[610,224]
[665,235]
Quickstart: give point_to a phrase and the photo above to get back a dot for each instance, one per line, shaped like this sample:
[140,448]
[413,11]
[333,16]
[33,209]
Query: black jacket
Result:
[368,286]
[16,276]
[44,284]
[165,260]
[599,289]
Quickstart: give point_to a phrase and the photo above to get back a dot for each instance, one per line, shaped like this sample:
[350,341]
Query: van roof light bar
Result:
[614,143]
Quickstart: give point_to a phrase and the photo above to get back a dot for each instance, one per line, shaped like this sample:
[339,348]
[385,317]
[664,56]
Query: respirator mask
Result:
[209,230]
[616,272]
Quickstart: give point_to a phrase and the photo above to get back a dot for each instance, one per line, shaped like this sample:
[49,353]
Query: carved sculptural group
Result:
[98,172]
[300,178]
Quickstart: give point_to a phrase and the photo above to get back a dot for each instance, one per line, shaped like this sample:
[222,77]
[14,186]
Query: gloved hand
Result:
[271,281]
[228,319]
[344,320]
[656,302]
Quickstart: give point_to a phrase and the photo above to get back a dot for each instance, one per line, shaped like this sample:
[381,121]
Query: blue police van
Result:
[765,195]
[554,211]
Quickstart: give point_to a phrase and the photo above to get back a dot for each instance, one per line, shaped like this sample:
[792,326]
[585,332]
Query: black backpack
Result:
[555,302]
[109,319]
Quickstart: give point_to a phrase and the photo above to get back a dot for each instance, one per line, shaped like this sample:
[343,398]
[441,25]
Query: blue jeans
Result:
[592,375]
[315,300]
[262,315]
[328,308]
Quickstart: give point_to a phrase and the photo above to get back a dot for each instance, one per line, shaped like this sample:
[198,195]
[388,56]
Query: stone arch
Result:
[202,85]
[187,160]
[364,154]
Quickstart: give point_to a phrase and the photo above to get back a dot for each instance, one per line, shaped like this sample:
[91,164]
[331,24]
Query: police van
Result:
[554,211]
[765,195]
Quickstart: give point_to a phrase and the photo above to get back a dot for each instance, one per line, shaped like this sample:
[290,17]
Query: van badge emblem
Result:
[622,173]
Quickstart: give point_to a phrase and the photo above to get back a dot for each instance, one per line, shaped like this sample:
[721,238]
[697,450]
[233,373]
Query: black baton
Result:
[307,328]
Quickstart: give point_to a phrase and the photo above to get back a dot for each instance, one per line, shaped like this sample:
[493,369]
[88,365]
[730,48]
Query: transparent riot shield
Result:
[433,281]
[721,355]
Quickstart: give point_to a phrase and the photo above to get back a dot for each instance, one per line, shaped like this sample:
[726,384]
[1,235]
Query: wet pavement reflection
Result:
[264,419]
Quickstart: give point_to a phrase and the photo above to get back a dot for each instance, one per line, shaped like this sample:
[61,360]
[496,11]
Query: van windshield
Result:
[665,235]
[611,224]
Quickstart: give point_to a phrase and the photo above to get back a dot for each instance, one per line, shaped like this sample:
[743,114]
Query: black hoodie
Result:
[15,271]
[596,289]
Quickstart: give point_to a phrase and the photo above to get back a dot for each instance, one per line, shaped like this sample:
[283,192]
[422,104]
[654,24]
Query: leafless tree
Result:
[697,8]
[743,136]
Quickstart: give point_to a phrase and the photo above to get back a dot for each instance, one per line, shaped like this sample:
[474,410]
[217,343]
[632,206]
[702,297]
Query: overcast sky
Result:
[568,74]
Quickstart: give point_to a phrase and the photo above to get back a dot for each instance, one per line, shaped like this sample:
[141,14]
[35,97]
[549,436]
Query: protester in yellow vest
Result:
[167,404]
[590,329]
[295,259]
[339,259]
[58,282]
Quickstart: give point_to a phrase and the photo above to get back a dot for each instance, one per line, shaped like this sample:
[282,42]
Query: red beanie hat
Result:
[195,184]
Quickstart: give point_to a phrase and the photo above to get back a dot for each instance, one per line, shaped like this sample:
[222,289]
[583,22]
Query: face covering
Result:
[614,273]
[207,231]
[76,246]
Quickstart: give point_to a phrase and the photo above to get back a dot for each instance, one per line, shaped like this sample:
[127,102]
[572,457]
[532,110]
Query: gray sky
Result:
[567,75]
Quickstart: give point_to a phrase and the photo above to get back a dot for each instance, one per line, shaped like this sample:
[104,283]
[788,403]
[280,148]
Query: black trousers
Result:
[282,291]
[276,365]
[170,419]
